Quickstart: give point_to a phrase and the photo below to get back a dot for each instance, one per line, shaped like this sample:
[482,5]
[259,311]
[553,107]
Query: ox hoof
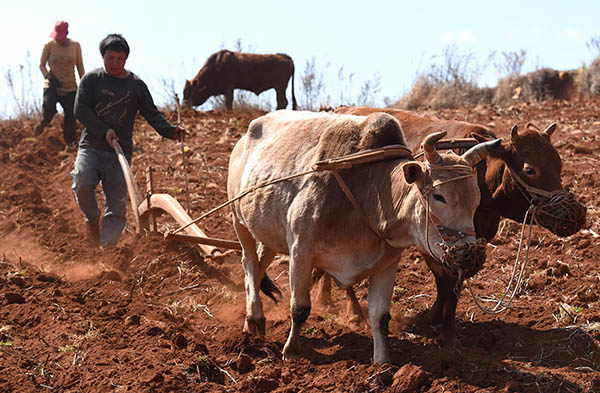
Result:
[291,352]
[435,314]
[382,358]
[447,338]
[357,323]
[255,326]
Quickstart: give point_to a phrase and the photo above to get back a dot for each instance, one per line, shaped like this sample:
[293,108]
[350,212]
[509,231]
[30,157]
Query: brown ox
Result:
[528,154]
[310,218]
[225,71]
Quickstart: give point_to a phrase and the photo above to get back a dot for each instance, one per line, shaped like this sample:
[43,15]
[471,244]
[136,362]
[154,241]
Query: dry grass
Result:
[21,96]
[588,79]
[449,83]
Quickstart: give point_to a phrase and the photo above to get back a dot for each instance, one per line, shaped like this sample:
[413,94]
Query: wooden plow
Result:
[146,209]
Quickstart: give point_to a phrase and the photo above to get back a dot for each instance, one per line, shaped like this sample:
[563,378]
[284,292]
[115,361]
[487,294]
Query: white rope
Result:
[501,305]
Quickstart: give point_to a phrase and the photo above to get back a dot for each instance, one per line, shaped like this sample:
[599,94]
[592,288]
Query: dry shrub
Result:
[507,91]
[536,86]
[588,79]
[449,82]
[418,95]
[424,93]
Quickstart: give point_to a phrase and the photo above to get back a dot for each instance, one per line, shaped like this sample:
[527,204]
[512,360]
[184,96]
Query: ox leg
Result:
[255,318]
[323,297]
[448,333]
[282,101]
[381,286]
[354,311]
[444,308]
[229,99]
[265,257]
[300,283]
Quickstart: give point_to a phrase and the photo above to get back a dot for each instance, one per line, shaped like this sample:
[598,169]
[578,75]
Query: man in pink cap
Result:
[61,54]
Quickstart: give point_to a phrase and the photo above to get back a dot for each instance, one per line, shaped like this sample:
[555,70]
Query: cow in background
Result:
[310,218]
[225,71]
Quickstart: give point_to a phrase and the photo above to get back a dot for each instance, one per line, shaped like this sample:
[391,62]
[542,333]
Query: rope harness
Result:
[458,260]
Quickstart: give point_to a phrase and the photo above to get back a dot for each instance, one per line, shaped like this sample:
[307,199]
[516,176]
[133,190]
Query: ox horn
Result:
[550,129]
[514,132]
[480,151]
[431,154]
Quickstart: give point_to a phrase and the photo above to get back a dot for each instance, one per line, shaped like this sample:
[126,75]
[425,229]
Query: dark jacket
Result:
[104,102]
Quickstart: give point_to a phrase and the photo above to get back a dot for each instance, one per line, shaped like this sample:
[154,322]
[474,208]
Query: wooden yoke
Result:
[364,157]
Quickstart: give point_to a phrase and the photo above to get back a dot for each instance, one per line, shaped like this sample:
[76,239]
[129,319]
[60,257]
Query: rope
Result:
[242,194]
[343,162]
[500,302]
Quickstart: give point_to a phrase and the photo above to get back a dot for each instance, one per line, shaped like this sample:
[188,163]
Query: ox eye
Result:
[528,170]
[439,198]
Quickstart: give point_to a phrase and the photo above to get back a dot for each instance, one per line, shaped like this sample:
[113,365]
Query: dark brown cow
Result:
[225,71]
[528,156]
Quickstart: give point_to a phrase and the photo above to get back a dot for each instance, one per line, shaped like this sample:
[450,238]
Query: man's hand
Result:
[53,81]
[110,136]
[179,133]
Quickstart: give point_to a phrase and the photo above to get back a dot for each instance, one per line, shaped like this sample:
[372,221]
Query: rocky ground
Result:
[155,316]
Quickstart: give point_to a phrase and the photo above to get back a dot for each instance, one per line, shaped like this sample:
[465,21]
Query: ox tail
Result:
[270,289]
[294,104]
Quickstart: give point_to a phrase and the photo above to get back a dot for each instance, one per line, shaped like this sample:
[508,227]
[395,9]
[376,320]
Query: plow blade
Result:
[164,203]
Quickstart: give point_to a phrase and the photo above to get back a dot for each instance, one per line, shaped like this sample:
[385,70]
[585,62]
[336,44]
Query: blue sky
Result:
[395,39]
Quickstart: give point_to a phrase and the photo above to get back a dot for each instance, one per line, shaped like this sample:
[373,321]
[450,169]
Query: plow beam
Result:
[164,203]
[211,241]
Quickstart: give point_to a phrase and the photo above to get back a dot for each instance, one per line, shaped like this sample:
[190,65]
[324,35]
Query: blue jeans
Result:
[91,167]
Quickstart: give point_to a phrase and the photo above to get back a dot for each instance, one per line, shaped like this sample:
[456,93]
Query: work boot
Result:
[93,232]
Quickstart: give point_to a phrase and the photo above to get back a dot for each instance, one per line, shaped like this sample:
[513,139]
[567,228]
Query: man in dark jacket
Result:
[106,104]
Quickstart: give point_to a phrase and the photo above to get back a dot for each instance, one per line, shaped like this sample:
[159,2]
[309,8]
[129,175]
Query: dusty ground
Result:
[153,316]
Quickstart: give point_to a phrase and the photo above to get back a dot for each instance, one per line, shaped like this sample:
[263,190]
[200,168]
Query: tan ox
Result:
[313,221]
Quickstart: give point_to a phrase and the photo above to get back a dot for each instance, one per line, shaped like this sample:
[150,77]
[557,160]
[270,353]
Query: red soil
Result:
[154,316]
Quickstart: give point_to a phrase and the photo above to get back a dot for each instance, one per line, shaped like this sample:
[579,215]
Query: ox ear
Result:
[412,172]
[550,130]
[514,132]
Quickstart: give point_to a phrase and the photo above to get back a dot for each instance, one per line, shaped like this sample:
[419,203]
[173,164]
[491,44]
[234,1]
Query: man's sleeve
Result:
[83,107]
[44,60]
[79,61]
[152,115]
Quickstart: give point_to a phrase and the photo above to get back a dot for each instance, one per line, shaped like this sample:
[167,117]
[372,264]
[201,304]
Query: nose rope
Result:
[533,191]
[557,211]
[501,305]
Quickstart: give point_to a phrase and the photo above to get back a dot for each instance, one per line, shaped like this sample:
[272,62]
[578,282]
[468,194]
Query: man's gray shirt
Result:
[104,102]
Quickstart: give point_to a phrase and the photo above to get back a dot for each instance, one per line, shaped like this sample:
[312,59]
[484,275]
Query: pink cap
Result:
[60,31]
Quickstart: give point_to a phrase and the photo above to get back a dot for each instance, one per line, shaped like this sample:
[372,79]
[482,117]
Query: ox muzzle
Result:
[463,260]
[560,213]
[460,259]
[557,211]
